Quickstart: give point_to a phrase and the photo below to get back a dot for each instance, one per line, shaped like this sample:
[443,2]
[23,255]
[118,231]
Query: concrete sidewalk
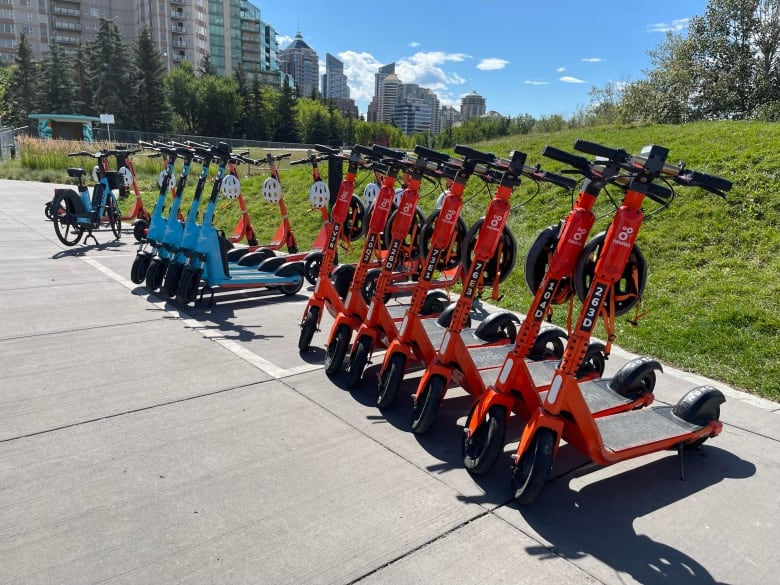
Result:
[142,443]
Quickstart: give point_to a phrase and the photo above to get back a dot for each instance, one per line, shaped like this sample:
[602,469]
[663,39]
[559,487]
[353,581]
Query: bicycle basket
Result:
[115,180]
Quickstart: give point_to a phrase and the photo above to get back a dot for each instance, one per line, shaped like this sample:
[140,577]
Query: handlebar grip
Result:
[388,152]
[364,150]
[326,149]
[560,181]
[613,154]
[708,182]
[469,153]
[282,156]
[429,154]
[300,161]
[573,160]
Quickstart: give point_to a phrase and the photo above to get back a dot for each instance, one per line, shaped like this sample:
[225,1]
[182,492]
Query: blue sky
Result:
[523,56]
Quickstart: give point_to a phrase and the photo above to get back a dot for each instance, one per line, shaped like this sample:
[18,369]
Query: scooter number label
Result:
[544,302]
[592,311]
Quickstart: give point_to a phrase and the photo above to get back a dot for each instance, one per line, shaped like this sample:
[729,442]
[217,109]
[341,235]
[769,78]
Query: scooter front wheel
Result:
[426,404]
[390,380]
[358,361]
[481,449]
[139,229]
[139,268]
[115,219]
[337,350]
[172,278]
[311,266]
[188,286]
[530,473]
[308,327]
[156,273]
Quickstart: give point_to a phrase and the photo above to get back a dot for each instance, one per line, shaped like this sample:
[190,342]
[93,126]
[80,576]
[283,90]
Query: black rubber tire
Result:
[337,350]
[172,277]
[235,254]
[67,233]
[156,273]
[255,258]
[114,218]
[594,362]
[342,279]
[410,246]
[188,286]
[456,242]
[549,344]
[308,328]
[390,380]
[481,450]
[627,292]
[498,326]
[140,266]
[355,224]
[530,473]
[139,229]
[636,377]
[291,270]
[426,405]
[47,210]
[504,264]
[699,406]
[311,266]
[368,288]
[358,361]
[537,263]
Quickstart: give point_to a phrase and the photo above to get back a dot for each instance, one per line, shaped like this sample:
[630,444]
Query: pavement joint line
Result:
[236,349]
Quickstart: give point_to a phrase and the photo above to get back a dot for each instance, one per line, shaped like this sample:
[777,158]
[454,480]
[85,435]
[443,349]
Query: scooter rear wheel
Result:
[67,232]
[481,449]
[311,267]
[139,229]
[115,219]
[530,473]
[139,267]
[426,405]
[358,361]
[390,380]
[308,327]
[337,350]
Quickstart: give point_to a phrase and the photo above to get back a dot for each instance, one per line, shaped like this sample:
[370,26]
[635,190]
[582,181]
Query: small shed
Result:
[65,126]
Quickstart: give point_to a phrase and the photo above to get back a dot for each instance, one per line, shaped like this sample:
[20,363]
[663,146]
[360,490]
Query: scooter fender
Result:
[350,321]
[432,370]
[539,419]
[484,404]
[625,380]
[396,346]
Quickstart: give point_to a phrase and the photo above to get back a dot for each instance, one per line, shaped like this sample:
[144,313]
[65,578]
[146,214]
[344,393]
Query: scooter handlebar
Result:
[471,154]
[430,154]
[573,160]
[599,150]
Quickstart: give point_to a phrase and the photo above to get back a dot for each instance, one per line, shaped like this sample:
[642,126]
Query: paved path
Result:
[140,443]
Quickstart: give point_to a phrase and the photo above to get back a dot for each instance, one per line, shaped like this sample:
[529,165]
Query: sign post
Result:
[107,119]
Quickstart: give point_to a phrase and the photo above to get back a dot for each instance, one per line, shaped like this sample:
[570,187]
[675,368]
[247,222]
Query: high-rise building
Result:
[472,106]
[300,61]
[417,110]
[334,82]
[231,32]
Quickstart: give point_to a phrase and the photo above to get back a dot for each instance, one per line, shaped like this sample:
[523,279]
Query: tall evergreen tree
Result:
[245,96]
[206,67]
[21,96]
[57,90]
[111,73]
[82,93]
[286,117]
[219,105]
[151,107]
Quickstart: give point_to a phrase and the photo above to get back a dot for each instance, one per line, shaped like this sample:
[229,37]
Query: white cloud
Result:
[492,64]
[529,82]
[664,27]
[425,69]
[360,69]
[414,44]
[593,60]
[561,69]
[570,79]
[283,40]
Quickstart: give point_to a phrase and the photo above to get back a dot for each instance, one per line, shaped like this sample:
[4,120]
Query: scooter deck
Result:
[435,333]
[489,356]
[641,427]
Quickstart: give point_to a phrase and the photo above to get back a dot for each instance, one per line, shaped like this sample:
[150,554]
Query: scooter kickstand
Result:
[680,456]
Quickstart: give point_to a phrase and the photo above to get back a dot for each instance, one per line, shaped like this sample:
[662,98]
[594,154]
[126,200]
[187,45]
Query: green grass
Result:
[713,294]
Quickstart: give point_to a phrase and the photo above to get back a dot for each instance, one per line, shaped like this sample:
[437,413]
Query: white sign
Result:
[106,118]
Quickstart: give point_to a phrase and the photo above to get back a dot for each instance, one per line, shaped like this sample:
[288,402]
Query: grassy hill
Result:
[712,300]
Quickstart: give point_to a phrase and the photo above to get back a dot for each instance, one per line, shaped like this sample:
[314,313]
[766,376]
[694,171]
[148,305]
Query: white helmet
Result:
[127,176]
[272,190]
[171,183]
[370,193]
[319,195]
[231,187]
[440,199]
[398,194]
[95,170]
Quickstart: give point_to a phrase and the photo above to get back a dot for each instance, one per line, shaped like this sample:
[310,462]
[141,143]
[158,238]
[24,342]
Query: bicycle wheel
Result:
[114,218]
[67,231]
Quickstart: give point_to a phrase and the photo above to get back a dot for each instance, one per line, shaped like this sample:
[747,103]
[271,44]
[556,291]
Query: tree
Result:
[57,92]
[182,89]
[245,96]
[21,96]
[82,94]
[111,76]
[150,109]
[286,129]
[219,105]
[206,67]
